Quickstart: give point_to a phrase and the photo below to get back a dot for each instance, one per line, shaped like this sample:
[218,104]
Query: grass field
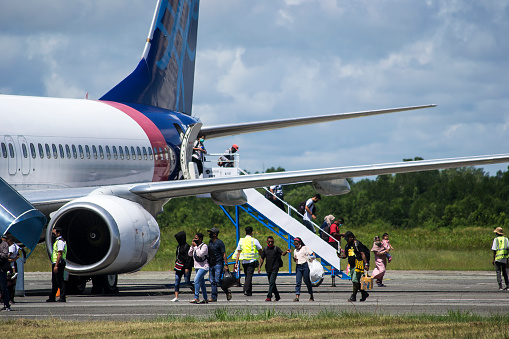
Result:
[271,324]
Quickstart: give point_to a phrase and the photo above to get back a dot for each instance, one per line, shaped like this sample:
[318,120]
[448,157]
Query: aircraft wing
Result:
[235,129]
[173,189]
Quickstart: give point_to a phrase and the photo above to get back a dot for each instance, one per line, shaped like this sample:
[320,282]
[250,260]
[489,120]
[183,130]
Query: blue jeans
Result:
[272,276]
[302,271]
[178,278]
[199,282]
[309,225]
[215,279]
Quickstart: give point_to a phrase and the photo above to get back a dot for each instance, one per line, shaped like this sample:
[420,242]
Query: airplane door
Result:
[186,149]
[11,155]
[24,156]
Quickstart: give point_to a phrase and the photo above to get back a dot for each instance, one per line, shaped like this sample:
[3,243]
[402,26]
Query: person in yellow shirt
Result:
[248,250]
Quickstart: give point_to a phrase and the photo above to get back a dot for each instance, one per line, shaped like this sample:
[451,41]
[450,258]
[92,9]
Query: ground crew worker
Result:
[248,250]
[500,249]
[58,258]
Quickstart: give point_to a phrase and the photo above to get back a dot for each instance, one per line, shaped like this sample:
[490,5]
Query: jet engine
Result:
[331,187]
[105,235]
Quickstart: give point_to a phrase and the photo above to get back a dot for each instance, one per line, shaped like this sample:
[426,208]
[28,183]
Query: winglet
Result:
[165,75]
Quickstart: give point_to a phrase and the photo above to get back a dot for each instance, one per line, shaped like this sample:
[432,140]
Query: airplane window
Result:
[161,156]
[61,149]
[101,152]
[74,153]
[133,153]
[4,150]
[127,153]
[32,150]
[121,151]
[94,151]
[150,156]
[166,153]
[41,151]
[48,151]
[68,151]
[80,148]
[24,149]
[115,154]
[144,153]
[11,150]
[139,152]
[108,154]
[87,150]
[55,152]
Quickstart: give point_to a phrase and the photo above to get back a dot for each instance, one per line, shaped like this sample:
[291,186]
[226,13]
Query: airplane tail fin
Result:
[165,75]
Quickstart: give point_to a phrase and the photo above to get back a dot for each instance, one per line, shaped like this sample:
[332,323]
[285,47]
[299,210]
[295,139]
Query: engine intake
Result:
[105,235]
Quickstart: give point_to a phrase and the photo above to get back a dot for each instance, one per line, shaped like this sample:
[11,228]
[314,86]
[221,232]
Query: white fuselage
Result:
[57,143]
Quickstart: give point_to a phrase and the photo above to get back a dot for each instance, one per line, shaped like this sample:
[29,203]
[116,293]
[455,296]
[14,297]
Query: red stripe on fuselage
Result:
[161,165]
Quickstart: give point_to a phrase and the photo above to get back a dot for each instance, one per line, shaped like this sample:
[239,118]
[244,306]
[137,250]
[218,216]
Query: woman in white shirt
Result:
[301,256]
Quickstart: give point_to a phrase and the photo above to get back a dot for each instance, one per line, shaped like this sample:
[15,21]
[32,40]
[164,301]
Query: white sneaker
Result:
[175,300]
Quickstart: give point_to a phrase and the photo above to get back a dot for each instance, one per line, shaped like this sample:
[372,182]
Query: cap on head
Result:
[235,146]
[213,230]
[499,230]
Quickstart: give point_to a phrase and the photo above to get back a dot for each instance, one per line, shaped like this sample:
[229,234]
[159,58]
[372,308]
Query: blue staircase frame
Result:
[288,238]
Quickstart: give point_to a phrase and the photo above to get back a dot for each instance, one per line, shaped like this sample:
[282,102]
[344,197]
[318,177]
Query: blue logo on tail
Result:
[165,78]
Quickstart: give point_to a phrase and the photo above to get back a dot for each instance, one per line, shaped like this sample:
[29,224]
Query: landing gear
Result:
[104,284]
[76,284]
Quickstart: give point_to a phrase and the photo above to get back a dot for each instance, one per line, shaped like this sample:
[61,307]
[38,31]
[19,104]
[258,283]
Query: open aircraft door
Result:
[186,149]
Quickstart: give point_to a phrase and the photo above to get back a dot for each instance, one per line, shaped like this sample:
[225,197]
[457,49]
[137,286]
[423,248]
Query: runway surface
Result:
[147,295]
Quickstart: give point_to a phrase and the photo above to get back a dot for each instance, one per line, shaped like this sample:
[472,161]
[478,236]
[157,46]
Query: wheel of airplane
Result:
[106,284]
[76,284]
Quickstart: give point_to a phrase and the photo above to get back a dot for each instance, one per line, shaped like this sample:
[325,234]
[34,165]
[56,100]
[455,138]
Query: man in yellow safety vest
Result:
[500,249]
[58,257]
[248,250]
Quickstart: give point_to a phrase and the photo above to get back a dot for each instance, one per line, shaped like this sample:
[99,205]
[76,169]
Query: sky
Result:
[275,59]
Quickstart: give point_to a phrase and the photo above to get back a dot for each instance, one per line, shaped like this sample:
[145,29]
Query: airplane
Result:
[103,169]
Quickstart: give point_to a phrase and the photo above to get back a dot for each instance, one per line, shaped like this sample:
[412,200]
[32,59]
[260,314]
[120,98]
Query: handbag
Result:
[179,266]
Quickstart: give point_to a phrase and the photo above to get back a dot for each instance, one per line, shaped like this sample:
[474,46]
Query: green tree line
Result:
[448,198]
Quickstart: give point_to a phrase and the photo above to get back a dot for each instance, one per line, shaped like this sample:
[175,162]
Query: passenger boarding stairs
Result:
[280,222]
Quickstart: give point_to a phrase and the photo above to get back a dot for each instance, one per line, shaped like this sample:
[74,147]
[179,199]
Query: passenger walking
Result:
[309,212]
[301,255]
[272,256]
[358,259]
[199,152]
[221,263]
[248,250]
[277,192]
[58,260]
[199,251]
[500,250]
[334,232]
[380,261]
[325,226]
[183,263]
[13,274]
[4,268]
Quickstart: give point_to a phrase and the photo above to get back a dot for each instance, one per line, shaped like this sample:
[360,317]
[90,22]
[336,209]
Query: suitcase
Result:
[366,282]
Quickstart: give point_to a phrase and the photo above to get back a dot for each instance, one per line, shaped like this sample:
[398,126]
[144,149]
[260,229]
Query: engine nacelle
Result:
[105,235]
[332,187]
[229,198]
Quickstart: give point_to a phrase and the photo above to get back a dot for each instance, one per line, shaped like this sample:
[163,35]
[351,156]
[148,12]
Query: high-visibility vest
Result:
[54,255]
[503,251]
[249,250]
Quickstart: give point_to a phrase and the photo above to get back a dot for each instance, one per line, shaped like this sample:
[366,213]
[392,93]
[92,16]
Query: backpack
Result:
[302,207]
[363,248]
[325,236]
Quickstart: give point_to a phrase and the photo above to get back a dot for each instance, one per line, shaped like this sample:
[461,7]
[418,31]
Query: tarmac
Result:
[147,295]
